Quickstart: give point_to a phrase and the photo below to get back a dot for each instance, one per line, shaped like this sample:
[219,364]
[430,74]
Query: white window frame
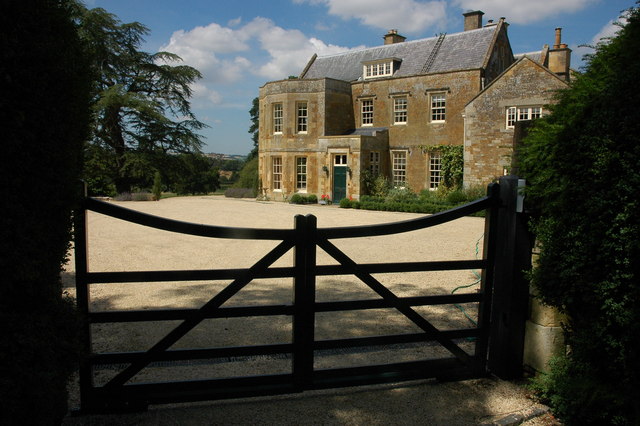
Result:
[435,170]
[399,168]
[378,69]
[400,110]
[302,117]
[521,113]
[276,173]
[374,163]
[278,115]
[366,110]
[438,107]
[301,174]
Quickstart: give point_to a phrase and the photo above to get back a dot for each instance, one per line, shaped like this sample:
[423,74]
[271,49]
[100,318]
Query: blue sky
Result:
[238,45]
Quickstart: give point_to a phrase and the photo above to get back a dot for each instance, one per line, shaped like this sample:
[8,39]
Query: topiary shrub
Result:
[297,199]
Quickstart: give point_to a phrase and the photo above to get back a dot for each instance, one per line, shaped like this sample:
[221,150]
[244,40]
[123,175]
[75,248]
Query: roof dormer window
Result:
[379,68]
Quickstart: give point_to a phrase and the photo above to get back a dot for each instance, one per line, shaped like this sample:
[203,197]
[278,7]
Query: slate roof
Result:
[459,51]
[535,56]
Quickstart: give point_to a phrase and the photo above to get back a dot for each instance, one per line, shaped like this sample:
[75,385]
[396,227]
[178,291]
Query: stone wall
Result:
[488,145]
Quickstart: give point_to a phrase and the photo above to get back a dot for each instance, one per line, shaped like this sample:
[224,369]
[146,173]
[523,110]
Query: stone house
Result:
[378,110]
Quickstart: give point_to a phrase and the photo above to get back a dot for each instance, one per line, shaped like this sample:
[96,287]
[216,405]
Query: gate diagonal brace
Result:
[401,306]
[197,317]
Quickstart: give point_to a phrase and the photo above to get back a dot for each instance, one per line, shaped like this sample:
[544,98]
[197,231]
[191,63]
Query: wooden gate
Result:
[122,393]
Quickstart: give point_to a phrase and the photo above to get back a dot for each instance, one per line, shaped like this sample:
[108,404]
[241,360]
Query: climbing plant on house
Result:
[452,163]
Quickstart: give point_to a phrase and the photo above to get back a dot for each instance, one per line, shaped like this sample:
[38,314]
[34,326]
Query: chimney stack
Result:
[392,37]
[473,20]
[560,57]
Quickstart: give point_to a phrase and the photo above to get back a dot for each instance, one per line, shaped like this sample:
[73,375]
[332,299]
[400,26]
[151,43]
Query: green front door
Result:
[339,183]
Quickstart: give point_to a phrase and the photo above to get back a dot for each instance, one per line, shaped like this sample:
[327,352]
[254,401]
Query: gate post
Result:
[510,286]
[304,293]
[82,299]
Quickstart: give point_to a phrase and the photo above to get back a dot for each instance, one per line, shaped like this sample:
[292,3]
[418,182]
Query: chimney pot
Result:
[556,45]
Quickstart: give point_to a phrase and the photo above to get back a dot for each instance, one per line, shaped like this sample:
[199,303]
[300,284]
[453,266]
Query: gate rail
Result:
[118,394]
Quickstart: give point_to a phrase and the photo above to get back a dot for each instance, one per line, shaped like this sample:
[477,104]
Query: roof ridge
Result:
[386,46]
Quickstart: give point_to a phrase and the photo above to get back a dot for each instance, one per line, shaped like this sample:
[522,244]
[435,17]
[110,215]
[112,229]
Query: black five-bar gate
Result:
[497,337]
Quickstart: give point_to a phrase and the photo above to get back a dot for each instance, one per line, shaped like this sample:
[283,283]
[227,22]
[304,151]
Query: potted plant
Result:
[324,199]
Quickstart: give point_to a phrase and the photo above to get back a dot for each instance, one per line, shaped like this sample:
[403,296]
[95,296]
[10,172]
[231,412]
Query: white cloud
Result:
[608,30]
[523,12]
[226,56]
[235,22]
[409,16]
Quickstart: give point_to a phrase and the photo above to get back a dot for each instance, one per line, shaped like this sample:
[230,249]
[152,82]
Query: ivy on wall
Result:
[452,163]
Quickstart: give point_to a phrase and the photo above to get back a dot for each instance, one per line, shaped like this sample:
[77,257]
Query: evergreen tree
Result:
[254,112]
[141,108]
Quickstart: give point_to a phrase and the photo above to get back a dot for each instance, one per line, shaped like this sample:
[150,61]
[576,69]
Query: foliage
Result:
[196,175]
[140,103]
[254,129]
[44,110]
[401,195]
[346,203]
[303,199]
[248,176]
[240,193]
[426,202]
[375,184]
[451,163]
[157,186]
[581,164]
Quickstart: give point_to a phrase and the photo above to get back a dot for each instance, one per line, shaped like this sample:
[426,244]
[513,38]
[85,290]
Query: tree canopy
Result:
[582,164]
[140,103]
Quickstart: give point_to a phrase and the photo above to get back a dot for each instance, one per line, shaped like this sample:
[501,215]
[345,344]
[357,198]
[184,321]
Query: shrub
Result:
[312,199]
[345,203]
[157,186]
[401,195]
[45,113]
[456,197]
[297,199]
[240,193]
[581,163]
[141,196]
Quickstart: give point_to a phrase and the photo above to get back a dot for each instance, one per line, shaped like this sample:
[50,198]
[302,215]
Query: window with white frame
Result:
[438,107]
[302,117]
[435,170]
[276,170]
[399,168]
[301,174]
[525,113]
[374,163]
[277,118]
[400,110]
[367,112]
[378,69]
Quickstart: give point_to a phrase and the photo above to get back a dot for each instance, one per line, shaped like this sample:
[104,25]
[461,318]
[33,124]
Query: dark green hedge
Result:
[44,109]
[582,164]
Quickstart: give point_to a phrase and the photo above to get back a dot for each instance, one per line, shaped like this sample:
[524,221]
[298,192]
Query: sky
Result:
[239,45]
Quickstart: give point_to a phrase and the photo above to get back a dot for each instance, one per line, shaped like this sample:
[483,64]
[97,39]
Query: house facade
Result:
[378,111]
